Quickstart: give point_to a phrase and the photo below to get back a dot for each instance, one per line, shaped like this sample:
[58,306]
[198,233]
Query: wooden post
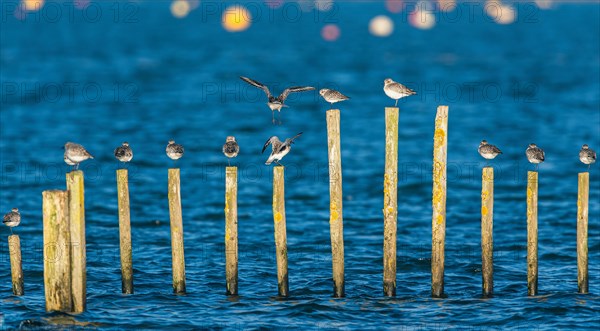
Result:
[438,220]
[390,201]
[125,232]
[176,232]
[280,230]
[231,231]
[336,223]
[487,229]
[16,266]
[532,233]
[77,227]
[582,232]
[57,254]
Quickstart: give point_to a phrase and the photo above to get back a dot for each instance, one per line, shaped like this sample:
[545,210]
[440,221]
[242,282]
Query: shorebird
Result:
[124,153]
[12,219]
[332,96]
[280,149]
[276,103]
[535,155]
[174,151]
[587,155]
[488,151]
[75,154]
[230,148]
[396,90]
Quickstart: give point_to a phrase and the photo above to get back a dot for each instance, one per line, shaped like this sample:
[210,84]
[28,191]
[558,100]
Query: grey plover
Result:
[332,96]
[230,148]
[535,155]
[587,155]
[75,154]
[276,103]
[12,219]
[488,151]
[280,149]
[124,153]
[396,90]
[174,151]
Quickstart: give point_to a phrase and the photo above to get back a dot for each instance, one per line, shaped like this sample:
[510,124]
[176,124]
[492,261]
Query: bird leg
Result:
[396,105]
[280,122]
[273,116]
[76,166]
[229,162]
[11,232]
[277,162]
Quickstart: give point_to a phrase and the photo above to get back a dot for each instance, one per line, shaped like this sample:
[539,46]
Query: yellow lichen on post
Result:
[57,253]
[583,192]
[438,219]
[487,229]
[532,233]
[231,231]
[336,223]
[75,188]
[16,266]
[390,201]
[280,230]
[125,232]
[177,251]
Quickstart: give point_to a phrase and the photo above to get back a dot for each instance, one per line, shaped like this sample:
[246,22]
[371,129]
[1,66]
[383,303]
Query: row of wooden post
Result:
[64,226]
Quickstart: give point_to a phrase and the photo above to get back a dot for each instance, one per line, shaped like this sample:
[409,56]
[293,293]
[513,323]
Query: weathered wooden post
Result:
[125,231]
[582,231]
[438,221]
[336,223]
[280,230]
[57,253]
[532,233]
[390,201]
[231,231]
[487,229]
[176,232]
[16,266]
[75,189]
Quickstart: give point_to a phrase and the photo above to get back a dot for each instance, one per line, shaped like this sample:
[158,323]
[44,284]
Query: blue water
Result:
[139,75]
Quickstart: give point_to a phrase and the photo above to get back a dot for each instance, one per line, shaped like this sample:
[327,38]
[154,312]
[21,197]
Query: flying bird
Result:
[332,96]
[174,151]
[276,103]
[488,151]
[75,154]
[396,90]
[587,155]
[230,148]
[12,219]
[280,149]
[535,155]
[124,153]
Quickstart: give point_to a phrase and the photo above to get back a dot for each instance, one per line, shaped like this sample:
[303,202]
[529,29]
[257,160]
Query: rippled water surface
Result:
[155,78]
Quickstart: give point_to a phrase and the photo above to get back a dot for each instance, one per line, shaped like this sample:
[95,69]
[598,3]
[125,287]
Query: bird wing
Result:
[294,137]
[257,84]
[496,149]
[269,141]
[289,90]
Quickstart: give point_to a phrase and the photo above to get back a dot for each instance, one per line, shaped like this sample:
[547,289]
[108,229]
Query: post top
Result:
[392,108]
[231,169]
[333,110]
[76,172]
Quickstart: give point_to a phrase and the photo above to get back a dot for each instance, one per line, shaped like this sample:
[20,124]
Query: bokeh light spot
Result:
[422,19]
[381,26]
[394,6]
[180,8]
[236,18]
[33,5]
[330,32]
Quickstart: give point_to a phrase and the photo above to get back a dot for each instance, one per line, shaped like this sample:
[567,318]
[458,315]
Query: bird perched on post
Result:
[12,219]
[488,151]
[396,90]
[124,153]
[332,96]
[535,155]
[75,154]
[276,103]
[230,148]
[280,149]
[174,151]
[587,155]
